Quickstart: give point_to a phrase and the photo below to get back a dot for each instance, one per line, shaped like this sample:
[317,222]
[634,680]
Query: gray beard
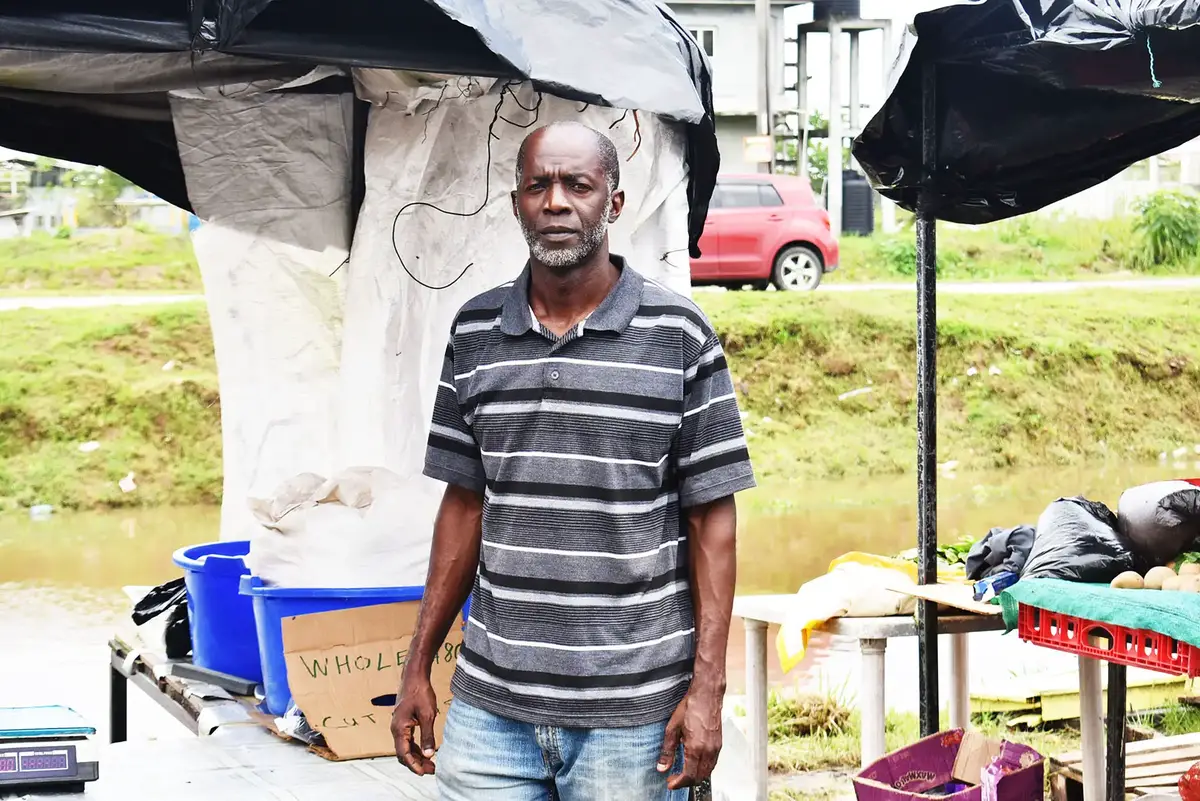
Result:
[563,259]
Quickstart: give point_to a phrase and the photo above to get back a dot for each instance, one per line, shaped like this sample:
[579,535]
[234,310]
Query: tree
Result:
[98,190]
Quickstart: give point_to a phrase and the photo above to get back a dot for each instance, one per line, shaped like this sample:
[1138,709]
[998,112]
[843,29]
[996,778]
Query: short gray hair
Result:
[610,162]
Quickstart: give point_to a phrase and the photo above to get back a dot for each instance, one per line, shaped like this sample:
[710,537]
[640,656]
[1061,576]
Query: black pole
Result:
[927,614]
[1115,734]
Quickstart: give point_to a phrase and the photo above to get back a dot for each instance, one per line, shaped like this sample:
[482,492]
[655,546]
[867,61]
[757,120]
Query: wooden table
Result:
[872,633]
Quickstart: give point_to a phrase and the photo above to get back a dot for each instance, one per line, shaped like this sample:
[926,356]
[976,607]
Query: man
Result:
[587,429]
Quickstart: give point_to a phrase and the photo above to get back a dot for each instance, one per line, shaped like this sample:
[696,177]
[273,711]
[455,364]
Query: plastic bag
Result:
[1013,757]
[1078,540]
[171,599]
[851,588]
[1161,519]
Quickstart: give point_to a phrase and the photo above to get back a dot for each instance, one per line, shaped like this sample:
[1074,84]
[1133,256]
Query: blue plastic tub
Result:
[221,618]
[272,604]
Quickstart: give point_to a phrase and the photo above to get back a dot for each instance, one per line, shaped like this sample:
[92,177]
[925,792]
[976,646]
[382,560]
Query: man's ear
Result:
[618,203]
[513,196]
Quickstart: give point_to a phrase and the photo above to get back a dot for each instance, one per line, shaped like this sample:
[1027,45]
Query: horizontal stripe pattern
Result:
[588,449]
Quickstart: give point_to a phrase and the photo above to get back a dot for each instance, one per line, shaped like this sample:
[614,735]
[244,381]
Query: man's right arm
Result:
[452,565]
[453,456]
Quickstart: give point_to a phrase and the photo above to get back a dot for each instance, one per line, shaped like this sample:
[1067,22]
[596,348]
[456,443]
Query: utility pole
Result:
[766,126]
[833,181]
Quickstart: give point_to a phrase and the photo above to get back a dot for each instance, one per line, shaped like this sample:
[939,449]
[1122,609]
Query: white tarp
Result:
[303,391]
[435,150]
[261,171]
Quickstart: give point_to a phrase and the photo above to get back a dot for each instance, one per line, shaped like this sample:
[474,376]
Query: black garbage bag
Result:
[1078,540]
[1002,550]
[169,599]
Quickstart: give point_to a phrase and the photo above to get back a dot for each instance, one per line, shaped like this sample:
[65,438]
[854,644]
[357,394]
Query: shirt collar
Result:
[613,314]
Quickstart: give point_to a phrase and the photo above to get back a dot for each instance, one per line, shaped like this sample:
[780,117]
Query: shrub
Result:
[1167,227]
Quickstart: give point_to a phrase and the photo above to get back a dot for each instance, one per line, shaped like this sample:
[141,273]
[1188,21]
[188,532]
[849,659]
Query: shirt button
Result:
[553,375]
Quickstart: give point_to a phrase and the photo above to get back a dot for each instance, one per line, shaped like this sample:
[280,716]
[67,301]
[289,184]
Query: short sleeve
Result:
[713,459]
[452,454]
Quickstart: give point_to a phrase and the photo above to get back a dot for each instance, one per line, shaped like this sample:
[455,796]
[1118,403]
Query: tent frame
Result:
[927,535]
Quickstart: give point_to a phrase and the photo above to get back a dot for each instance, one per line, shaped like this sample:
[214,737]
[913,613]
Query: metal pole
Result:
[889,207]
[762,9]
[802,100]
[927,615]
[1115,758]
[855,89]
[833,181]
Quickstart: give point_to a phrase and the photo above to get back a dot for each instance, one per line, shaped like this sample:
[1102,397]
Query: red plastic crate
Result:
[1135,647]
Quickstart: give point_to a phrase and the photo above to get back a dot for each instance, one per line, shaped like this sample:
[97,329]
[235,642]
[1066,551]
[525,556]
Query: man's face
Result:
[563,201]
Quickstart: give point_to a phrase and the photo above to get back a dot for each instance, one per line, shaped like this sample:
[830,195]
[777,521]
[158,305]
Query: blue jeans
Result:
[484,757]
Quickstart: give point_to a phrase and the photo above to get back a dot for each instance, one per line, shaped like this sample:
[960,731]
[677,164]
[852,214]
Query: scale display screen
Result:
[38,764]
[44,762]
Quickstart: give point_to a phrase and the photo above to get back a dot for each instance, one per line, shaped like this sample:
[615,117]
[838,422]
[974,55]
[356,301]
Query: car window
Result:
[769,196]
[739,196]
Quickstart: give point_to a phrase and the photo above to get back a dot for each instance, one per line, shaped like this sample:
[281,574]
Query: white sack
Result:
[427,141]
[276,168]
[347,531]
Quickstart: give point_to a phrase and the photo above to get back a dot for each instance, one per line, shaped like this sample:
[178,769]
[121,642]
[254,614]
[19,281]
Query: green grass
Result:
[1083,377]
[815,733]
[124,260]
[1025,249]
[70,377]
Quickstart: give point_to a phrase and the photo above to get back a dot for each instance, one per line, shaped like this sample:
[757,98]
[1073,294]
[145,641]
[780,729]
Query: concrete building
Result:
[728,32]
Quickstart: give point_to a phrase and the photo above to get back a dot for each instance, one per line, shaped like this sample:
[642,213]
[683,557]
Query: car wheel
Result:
[797,269]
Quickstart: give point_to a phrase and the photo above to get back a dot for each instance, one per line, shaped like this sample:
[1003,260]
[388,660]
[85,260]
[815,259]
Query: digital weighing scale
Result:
[47,747]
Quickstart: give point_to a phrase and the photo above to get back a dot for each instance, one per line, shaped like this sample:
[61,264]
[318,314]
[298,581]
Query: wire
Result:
[535,110]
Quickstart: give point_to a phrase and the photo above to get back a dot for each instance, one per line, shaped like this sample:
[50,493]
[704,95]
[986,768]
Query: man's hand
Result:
[696,724]
[416,707]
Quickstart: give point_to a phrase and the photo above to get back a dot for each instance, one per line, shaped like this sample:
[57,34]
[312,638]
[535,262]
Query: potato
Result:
[1189,583]
[1190,569]
[1129,580]
[1173,584]
[1156,576]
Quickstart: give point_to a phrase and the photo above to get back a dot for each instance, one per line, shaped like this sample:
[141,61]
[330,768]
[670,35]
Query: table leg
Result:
[874,702]
[1115,756]
[756,703]
[1091,727]
[960,683]
[118,706]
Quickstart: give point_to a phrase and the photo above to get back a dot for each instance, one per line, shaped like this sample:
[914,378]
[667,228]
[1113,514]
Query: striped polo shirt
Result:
[586,447]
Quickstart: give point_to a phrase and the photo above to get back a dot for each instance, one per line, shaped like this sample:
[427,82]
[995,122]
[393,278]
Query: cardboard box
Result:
[946,766]
[344,669]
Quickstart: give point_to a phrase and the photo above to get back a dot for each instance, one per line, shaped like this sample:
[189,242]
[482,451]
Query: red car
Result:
[765,229]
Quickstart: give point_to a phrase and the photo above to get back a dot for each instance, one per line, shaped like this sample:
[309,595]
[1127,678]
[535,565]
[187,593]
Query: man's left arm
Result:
[713,464]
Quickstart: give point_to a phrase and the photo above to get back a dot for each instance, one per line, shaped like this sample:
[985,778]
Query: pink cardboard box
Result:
[946,766]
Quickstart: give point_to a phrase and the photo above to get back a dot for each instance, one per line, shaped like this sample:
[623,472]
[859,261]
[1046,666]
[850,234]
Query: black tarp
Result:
[1037,100]
[622,53]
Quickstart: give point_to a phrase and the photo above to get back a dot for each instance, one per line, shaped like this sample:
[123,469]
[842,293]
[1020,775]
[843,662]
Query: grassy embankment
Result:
[1016,250]
[122,261]
[1085,376]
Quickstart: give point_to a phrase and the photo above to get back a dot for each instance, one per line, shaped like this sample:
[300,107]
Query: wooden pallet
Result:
[1032,701]
[1151,766]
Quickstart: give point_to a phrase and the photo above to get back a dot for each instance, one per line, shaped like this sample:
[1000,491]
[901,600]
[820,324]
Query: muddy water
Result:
[61,580]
